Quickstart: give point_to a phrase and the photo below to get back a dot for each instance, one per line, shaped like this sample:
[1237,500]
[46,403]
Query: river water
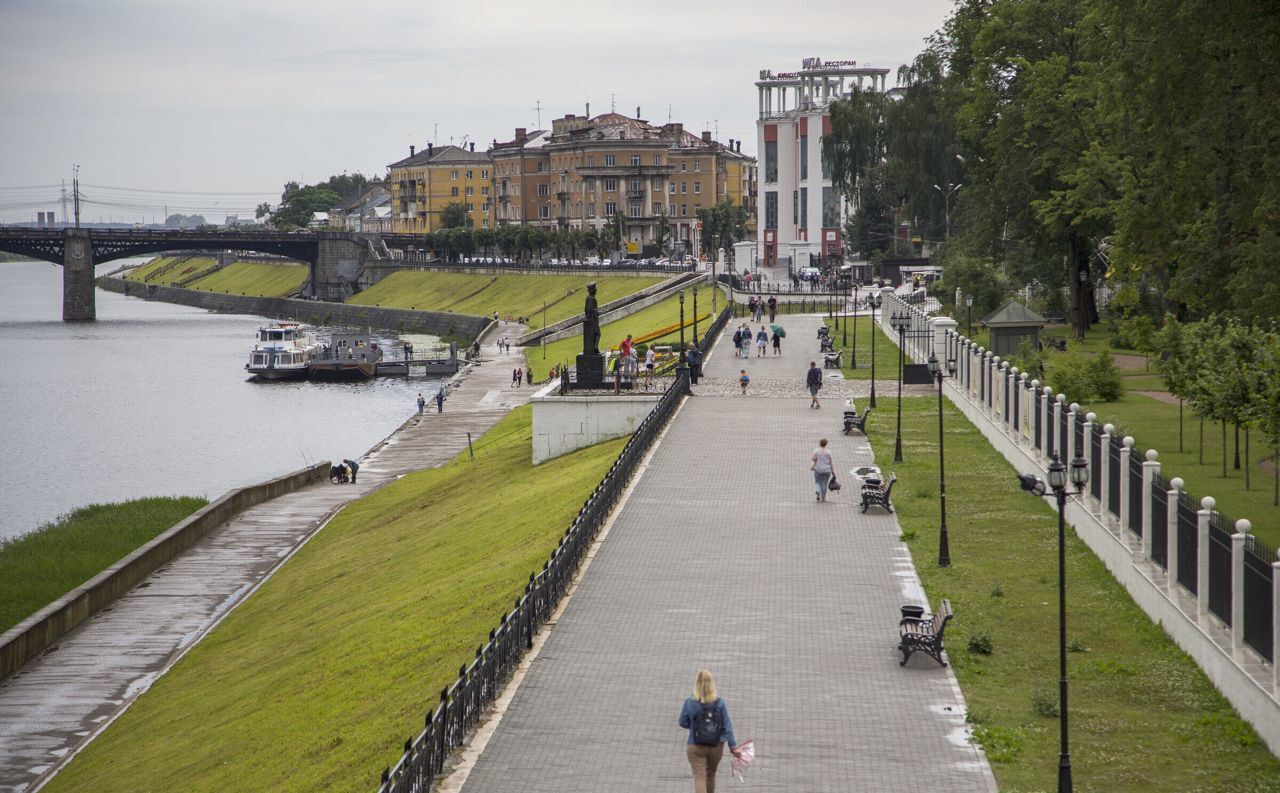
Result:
[152,399]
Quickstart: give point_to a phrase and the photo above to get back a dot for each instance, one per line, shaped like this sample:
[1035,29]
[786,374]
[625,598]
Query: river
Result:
[152,399]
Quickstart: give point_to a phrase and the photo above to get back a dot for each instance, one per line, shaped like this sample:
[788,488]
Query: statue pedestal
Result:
[591,371]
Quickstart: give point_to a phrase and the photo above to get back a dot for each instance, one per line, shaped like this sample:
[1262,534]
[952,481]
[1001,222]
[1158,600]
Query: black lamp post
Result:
[695,316]
[874,310]
[683,369]
[854,353]
[944,549]
[1079,476]
[899,323]
[968,323]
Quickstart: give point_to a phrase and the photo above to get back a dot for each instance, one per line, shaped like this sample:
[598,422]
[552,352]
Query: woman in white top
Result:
[822,466]
[650,361]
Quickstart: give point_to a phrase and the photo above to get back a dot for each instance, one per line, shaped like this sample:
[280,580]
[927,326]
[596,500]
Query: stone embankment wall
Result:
[42,629]
[318,312]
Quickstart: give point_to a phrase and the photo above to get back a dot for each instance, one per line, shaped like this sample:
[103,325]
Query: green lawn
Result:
[1143,716]
[175,268]
[39,567]
[317,679]
[255,278]
[522,295]
[886,350]
[665,313]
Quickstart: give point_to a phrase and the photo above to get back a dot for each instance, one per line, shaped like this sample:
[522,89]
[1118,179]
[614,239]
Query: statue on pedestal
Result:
[590,363]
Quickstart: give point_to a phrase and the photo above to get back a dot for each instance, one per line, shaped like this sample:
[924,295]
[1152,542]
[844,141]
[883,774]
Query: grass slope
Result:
[255,278]
[510,295]
[185,266]
[660,315]
[315,682]
[886,351]
[1143,715]
[39,567]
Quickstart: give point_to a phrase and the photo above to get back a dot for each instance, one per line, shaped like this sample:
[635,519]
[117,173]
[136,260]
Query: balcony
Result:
[628,170]
[563,195]
[636,195]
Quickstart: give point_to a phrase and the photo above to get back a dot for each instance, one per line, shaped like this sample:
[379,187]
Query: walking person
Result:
[516,377]
[814,381]
[777,343]
[744,380]
[773,307]
[706,717]
[762,341]
[821,464]
[352,466]
[440,400]
[528,376]
[737,343]
[694,358]
[422,403]
[650,362]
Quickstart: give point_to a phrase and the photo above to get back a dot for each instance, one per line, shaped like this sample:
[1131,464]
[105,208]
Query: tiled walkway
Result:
[722,559]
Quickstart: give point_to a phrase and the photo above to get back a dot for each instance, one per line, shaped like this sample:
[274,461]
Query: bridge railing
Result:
[425,261]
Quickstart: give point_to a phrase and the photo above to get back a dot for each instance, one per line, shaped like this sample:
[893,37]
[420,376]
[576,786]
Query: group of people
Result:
[504,344]
[519,375]
[758,306]
[742,338]
[626,364]
[343,472]
[439,397]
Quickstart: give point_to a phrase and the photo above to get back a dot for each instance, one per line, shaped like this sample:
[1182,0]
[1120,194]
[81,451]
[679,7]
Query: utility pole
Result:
[75,191]
[537,107]
[62,198]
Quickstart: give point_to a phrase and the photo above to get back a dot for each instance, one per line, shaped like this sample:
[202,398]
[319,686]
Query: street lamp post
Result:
[968,321]
[944,549]
[1079,476]
[874,310]
[899,323]
[683,369]
[946,211]
[854,353]
[695,316]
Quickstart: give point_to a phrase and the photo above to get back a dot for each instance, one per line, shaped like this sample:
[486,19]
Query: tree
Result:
[455,215]
[263,210]
[176,221]
[1176,364]
[297,204]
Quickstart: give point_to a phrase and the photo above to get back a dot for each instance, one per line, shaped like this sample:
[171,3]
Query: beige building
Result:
[427,181]
[585,171]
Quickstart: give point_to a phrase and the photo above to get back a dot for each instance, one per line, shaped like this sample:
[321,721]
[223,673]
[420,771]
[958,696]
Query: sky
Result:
[210,107]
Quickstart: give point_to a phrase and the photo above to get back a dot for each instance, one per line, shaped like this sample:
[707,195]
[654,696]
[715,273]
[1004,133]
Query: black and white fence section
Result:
[1204,576]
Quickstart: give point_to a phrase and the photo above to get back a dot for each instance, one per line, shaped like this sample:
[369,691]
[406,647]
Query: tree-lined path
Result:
[721,558]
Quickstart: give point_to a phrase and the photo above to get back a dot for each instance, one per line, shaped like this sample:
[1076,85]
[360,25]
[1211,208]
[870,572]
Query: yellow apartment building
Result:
[427,181]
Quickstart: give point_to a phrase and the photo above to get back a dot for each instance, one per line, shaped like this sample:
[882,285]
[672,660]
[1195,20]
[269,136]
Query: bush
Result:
[981,644]
[1044,702]
[1107,383]
[1071,373]
[1135,334]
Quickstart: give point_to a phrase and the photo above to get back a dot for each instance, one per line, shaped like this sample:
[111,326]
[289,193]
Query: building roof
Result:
[1013,315]
[442,155]
[534,139]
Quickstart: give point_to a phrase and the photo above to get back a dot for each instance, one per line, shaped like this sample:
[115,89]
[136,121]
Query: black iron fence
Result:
[1160,521]
[478,683]
[1219,567]
[1259,621]
[1188,544]
[1135,493]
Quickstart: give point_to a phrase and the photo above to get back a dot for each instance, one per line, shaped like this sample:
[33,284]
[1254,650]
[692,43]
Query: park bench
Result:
[874,493]
[831,359]
[852,421]
[918,634]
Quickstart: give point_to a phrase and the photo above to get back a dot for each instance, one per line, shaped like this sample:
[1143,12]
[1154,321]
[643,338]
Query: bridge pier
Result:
[339,262]
[77,277]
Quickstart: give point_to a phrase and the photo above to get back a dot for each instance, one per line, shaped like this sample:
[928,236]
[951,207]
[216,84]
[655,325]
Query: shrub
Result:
[1105,376]
[1071,373]
[1001,744]
[980,643]
[1044,702]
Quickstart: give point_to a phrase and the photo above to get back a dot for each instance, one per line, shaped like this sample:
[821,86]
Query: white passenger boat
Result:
[283,352]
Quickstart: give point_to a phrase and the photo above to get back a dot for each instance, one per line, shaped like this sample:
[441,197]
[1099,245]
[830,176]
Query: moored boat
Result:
[283,351]
[346,357]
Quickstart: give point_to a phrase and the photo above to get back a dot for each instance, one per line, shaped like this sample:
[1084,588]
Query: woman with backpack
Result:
[706,717]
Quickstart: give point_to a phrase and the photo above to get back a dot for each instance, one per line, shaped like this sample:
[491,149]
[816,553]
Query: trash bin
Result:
[911,611]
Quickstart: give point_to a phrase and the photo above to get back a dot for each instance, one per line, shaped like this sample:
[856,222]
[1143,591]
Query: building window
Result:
[609,161]
[826,166]
[484,191]
[771,160]
[657,159]
[697,166]
[484,174]
[591,161]
[590,184]
[635,184]
[684,187]
[671,210]
[542,167]
[635,160]
[795,207]
[544,211]
[697,188]
[610,208]
[471,207]
[484,224]
[470,174]
[544,189]
[804,207]
[657,209]
[610,185]
[830,208]
[453,191]
[634,210]
[453,175]
[804,156]
[471,191]
[684,210]
[771,209]
[673,188]
[684,166]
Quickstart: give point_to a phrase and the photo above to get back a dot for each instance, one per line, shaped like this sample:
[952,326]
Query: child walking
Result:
[744,381]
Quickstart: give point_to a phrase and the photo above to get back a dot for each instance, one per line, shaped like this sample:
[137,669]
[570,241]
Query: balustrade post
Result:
[1013,401]
[1202,554]
[1107,431]
[997,410]
[1090,420]
[982,377]
[1025,420]
[1275,625]
[1171,529]
[1243,527]
[1072,409]
[1046,423]
[989,382]
[1125,453]
[1150,470]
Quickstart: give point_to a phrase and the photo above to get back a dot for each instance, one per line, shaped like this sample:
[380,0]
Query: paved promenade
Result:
[721,558]
[58,701]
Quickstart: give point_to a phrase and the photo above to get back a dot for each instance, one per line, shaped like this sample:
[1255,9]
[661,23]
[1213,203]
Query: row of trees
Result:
[1077,142]
[298,202]
[1227,372]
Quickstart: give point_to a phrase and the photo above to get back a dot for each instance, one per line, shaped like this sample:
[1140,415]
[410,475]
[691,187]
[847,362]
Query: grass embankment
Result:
[255,278]
[39,567]
[663,314]
[165,270]
[520,295]
[1143,715]
[317,679]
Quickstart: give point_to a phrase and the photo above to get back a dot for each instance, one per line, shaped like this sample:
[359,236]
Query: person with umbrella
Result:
[779,333]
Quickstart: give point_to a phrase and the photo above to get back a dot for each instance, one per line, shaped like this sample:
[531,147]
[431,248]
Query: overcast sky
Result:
[240,96]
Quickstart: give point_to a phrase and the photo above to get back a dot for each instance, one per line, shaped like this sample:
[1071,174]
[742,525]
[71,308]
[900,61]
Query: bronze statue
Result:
[591,323]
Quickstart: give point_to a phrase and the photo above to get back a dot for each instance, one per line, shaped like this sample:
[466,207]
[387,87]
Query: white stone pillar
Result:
[1275,625]
[1125,495]
[1238,539]
[943,328]
[888,304]
[1202,553]
[1025,419]
[1107,431]
[1150,470]
[1071,451]
[1014,405]
[1171,526]
[1090,419]
[1046,422]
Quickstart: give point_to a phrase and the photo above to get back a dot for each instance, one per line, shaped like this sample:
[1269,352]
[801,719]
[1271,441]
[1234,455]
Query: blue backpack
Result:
[707,725]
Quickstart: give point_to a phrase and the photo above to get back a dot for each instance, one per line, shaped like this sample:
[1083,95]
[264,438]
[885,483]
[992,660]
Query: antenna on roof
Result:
[717,128]
[668,114]
[435,134]
[613,103]
[537,106]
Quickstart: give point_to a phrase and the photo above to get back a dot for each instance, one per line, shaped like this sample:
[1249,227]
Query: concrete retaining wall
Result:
[34,634]
[562,424]
[318,312]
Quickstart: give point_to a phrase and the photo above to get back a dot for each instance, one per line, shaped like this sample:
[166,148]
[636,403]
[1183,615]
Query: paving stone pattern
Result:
[721,558]
[56,702]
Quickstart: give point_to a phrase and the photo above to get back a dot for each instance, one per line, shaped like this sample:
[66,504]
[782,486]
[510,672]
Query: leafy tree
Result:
[177,221]
[455,215]
[263,210]
[297,204]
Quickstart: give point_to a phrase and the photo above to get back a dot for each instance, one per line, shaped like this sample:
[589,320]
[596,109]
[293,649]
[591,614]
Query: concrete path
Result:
[57,702]
[721,558]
